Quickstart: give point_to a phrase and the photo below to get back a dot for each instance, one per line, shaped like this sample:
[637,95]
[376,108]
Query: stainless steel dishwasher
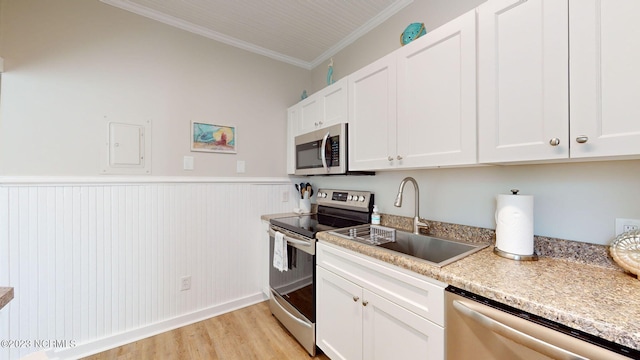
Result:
[480,328]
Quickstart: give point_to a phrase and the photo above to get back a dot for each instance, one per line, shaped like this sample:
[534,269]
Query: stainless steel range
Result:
[292,298]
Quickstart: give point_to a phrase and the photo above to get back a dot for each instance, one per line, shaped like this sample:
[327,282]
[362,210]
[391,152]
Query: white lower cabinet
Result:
[338,316]
[369,310]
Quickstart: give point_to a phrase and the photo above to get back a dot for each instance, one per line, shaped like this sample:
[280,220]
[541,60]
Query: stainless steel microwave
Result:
[322,152]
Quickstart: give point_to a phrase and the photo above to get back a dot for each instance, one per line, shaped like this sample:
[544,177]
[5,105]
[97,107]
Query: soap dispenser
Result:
[375,217]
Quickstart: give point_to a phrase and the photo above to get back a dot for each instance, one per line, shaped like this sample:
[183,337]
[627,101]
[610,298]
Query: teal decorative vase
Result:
[412,32]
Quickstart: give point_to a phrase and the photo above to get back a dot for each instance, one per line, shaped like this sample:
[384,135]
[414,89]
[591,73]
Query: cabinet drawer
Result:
[419,294]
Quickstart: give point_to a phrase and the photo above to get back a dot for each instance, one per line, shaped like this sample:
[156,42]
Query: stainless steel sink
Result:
[436,251]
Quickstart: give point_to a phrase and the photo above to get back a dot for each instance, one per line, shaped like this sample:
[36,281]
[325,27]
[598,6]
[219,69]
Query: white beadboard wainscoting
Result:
[98,264]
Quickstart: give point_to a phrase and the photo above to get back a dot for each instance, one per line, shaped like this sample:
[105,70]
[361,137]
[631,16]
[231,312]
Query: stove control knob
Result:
[322,195]
[361,198]
[349,197]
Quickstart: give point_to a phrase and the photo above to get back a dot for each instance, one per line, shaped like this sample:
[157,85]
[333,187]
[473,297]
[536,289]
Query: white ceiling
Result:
[304,33]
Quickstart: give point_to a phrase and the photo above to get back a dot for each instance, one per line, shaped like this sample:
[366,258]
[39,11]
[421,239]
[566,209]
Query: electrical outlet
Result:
[624,225]
[285,196]
[185,283]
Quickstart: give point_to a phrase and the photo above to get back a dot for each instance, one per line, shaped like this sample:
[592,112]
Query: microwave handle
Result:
[322,152]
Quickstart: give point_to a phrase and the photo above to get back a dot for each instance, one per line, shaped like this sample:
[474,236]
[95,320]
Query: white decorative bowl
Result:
[625,250]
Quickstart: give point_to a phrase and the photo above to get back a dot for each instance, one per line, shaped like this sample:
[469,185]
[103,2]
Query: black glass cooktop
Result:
[309,225]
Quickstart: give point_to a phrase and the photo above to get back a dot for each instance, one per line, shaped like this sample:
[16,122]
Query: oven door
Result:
[322,151]
[292,300]
[296,285]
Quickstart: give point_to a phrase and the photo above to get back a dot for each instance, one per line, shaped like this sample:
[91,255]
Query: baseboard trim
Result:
[104,344]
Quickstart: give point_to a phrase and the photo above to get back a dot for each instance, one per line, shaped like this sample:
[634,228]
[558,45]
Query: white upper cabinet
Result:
[437,96]
[605,78]
[325,108]
[416,107]
[523,80]
[372,115]
[558,80]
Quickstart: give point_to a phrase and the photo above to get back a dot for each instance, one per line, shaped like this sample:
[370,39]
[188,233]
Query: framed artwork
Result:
[213,138]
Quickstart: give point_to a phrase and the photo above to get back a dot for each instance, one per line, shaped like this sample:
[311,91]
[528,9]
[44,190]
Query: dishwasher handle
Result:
[517,336]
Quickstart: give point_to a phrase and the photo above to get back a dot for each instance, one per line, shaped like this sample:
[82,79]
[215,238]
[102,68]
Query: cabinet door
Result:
[437,96]
[605,77]
[325,108]
[311,114]
[339,316]
[335,100]
[372,116]
[523,80]
[292,131]
[392,332]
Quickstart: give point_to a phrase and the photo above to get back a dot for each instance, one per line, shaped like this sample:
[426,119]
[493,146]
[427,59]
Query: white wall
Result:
[69,64]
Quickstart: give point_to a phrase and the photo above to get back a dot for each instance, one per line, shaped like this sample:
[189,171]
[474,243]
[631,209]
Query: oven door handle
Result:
[323,155]
[297,242]
[517,336]
[290,239]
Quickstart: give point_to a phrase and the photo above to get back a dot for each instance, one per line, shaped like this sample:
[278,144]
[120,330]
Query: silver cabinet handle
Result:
[554,142]
[399,157]
[517,336]
[390,158]
[355,298]
[582,139]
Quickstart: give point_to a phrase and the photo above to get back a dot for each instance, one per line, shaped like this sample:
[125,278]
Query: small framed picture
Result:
[213,138]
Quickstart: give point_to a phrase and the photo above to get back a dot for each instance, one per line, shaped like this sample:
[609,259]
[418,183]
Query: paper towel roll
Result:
[514,224]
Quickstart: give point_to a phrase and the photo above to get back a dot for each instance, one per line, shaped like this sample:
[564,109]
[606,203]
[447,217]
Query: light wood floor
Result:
[248,333]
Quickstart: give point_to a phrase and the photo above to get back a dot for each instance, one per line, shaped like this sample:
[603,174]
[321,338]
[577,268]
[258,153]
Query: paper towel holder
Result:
[504,254]
[517,257]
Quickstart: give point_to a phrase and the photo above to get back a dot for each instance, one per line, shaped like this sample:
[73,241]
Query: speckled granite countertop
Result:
[572,283]
[6,295]
[268,217]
